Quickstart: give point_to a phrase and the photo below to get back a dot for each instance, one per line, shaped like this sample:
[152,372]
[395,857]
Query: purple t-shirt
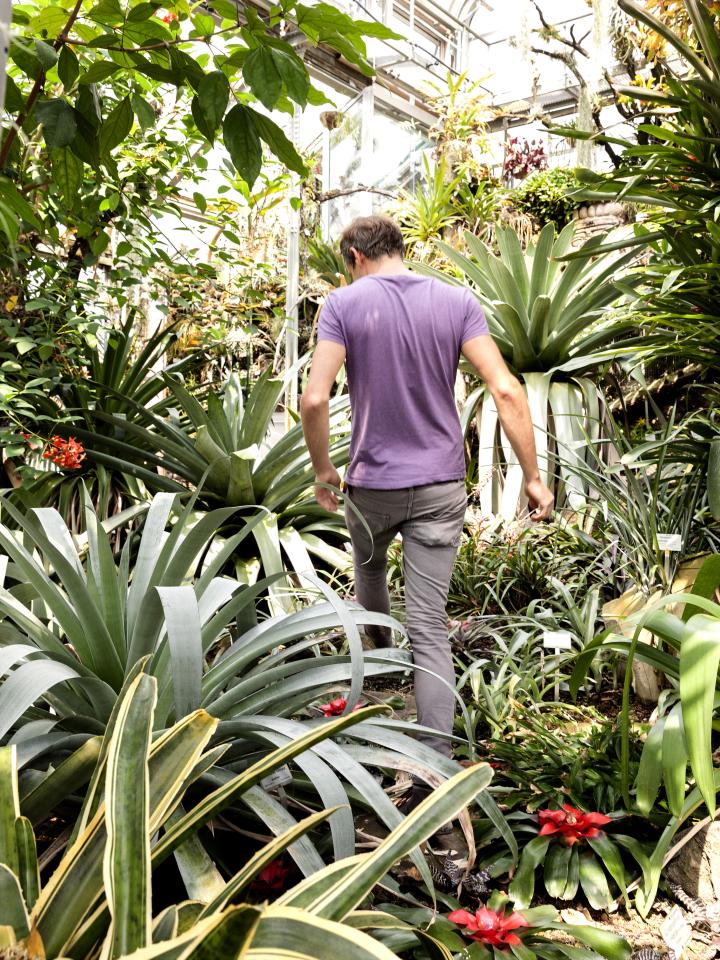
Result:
[403,334]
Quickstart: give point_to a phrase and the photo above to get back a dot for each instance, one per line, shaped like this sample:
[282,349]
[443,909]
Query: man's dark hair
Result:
[374,236]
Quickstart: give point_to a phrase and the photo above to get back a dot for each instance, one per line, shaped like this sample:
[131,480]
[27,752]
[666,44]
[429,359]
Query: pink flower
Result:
[489,926]
[571,825]
[336,707]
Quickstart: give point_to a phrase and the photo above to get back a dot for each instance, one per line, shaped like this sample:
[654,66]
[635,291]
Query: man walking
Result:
[400,336]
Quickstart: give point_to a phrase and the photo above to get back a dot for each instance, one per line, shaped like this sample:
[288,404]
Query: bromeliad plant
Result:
[76,621]
[99,898]
[551,323]
[100,387]
[222,449]
[575,852]
[495,930]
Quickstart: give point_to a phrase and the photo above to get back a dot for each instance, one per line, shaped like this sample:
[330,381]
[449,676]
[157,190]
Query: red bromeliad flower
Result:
[67,454]
[336,707]
[273,876]
[571,825]
[489,926]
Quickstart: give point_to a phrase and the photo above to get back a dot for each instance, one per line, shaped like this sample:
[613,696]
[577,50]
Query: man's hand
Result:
[540,500]
[327,498]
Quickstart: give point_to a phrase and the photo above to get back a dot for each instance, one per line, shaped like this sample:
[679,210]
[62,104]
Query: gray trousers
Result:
[430,521]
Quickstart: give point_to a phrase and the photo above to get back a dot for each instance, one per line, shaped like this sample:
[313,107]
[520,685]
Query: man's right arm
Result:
[514,413]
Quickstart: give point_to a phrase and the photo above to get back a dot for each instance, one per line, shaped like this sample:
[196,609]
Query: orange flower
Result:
[66,454]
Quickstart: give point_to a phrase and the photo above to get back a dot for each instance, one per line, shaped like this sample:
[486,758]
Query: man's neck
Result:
[385,266]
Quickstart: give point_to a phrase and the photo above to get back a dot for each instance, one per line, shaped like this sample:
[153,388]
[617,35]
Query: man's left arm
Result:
[315,414]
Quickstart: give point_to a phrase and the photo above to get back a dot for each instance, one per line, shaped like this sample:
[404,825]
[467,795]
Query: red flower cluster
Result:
[571,825]
[67,454]
[488,926]
[169,17]
[336,707]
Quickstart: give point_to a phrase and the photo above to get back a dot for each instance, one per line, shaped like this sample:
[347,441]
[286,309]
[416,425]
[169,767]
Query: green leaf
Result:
[294,75]
[699,659]
[242,140]
[68,174]
[522,886]
[649,775]
[25,57]
[144,112]
[49,21]
[9,808]
[29,873]
[204,25]
[213,95]
[142,11]
[126,862]
[68,66]
[593,881]
[279,143]
[262,75]
[674,759]
[58,120]
[604,847]
[600,939]
[557,865]
[13,912]
[713,479]
[116,127]
[99,71]
[46,54]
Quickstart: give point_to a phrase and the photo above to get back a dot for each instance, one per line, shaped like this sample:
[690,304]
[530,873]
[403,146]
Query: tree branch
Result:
[556,35]
[333,194]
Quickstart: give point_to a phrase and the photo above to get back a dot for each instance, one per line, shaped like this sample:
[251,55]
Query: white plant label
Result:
[676,932]
[672,542]
[557,639]
[278,778]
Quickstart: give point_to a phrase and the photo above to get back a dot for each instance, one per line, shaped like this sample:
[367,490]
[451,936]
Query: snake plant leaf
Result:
[337,900]
[126,860]
[13,912]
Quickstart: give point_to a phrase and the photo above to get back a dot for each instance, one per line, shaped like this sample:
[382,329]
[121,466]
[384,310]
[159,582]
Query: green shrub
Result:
[547,196]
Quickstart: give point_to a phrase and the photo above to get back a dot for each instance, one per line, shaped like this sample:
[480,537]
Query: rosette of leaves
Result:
[99,900]
[529,926]
[574,852]
[77,619]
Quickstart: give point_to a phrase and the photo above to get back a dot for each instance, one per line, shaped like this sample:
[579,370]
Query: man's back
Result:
[402,334]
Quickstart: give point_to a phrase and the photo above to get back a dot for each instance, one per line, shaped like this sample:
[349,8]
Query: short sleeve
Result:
[475,324]
[330,325]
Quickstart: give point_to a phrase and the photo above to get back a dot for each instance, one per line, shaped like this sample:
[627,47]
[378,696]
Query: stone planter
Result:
[594,218]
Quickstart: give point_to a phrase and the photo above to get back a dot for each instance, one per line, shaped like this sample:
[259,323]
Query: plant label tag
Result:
[672,542]
[278,778]
[676,932]
[557,639]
